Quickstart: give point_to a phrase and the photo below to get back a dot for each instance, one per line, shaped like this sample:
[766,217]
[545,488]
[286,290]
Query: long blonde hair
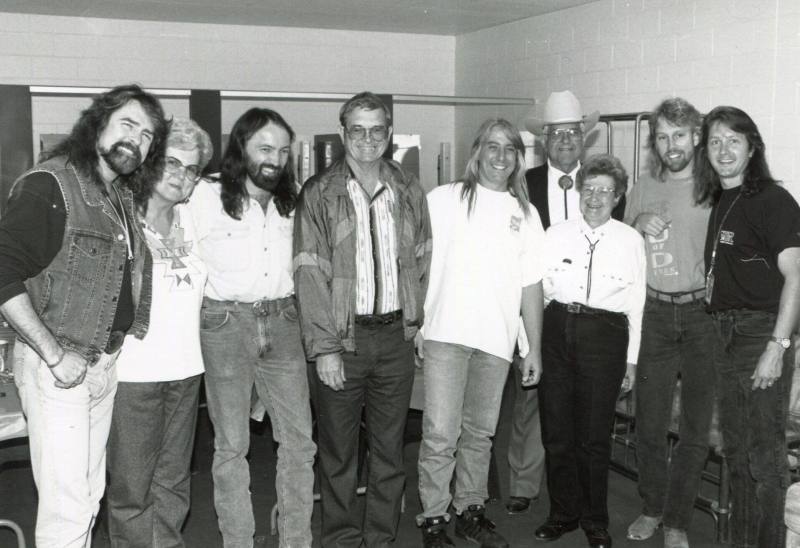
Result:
[516,181]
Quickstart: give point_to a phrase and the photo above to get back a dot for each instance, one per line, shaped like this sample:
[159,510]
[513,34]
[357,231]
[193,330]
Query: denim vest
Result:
[76,295]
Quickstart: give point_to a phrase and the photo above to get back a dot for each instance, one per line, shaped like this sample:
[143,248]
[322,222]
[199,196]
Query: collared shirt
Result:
[376,249]
[556,195]
[617,274]
[248,259]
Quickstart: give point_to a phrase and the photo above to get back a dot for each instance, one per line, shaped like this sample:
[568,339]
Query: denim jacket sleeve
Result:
[312,274]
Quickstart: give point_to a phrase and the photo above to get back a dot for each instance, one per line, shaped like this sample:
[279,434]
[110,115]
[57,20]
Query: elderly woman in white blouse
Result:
[155,410]
[594,288]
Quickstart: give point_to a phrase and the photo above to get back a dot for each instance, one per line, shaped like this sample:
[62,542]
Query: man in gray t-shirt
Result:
[676,329]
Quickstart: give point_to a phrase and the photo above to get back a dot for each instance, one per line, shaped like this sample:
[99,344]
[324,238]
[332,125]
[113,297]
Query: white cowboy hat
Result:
[562,107]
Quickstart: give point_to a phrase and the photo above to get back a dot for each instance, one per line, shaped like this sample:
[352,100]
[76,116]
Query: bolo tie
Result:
[592,245]
[565,182]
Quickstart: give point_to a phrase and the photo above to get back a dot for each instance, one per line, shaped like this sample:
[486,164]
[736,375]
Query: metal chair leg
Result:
[17,531]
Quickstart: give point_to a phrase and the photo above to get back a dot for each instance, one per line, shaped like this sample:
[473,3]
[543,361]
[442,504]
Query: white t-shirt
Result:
[479,266]
[248,259]
[171,349]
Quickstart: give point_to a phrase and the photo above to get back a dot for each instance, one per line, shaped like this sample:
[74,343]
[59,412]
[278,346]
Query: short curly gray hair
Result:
[603,164]
[186,134]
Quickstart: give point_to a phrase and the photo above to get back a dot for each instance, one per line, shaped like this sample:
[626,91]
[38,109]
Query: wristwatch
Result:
[785,343]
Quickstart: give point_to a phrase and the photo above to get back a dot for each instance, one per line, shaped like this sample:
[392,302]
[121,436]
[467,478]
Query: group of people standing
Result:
[127,275]
[720,307]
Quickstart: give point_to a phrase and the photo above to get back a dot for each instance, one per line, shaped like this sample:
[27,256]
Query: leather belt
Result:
[578,308]
[681,297]
[266,307]
[115,340]
[374,320]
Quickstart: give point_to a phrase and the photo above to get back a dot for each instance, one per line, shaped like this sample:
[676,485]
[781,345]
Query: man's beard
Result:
[677,164]
[265,181]
[122,158]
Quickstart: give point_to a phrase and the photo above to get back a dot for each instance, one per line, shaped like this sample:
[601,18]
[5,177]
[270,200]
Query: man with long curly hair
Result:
[249,332]
[74,279]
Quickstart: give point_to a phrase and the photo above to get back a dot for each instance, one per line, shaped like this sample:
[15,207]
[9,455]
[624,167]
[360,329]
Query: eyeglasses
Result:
[174,167]
[601,191]
[570,133]
[376,133]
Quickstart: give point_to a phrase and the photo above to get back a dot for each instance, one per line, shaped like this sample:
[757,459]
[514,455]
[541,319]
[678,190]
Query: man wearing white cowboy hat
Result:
[551,189]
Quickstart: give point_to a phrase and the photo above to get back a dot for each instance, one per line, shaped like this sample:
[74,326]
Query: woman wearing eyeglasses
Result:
[155,410]
[594,289]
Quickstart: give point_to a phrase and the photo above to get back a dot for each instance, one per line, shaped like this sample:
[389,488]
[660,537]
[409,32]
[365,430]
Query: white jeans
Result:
[68,430]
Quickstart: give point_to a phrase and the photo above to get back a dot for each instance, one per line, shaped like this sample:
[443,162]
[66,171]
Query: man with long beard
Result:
[74,279]
[250,334]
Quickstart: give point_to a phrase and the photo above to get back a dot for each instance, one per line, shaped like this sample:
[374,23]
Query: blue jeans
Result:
[583,363]
[463,391]
[753,426]
[149,456]
[68,430]
[231,336]
[379,377]
[677,339]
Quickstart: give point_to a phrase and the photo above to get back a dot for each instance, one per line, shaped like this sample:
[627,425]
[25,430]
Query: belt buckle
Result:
[574,308]
[260,308]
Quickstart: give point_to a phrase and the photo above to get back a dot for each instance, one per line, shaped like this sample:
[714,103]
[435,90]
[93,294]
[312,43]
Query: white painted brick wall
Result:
[70,51]
[636,52]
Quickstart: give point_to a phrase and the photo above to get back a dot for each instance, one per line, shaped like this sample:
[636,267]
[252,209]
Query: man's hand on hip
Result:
[330,369]
[70,370]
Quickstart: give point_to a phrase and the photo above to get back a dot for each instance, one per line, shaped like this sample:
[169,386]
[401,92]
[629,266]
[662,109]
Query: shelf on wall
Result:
[453,100]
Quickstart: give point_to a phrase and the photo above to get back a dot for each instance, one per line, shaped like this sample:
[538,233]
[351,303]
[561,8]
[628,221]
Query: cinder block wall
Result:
[72,51]
[627,55]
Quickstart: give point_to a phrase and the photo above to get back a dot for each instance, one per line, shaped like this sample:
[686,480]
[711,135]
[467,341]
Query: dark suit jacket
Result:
[537,194]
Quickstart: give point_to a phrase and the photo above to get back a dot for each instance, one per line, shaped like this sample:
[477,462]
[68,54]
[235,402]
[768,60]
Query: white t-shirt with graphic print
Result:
[480,264]
[171,349]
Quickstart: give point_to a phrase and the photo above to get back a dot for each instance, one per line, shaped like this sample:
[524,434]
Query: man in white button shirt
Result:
[249,329]
[551,188]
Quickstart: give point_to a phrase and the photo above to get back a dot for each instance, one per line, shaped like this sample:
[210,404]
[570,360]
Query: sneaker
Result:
[675,538]
[473,525]
[434,532]
[644,527]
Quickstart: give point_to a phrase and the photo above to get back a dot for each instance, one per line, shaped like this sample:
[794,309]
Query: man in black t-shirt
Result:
[752,257]
[74,279]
